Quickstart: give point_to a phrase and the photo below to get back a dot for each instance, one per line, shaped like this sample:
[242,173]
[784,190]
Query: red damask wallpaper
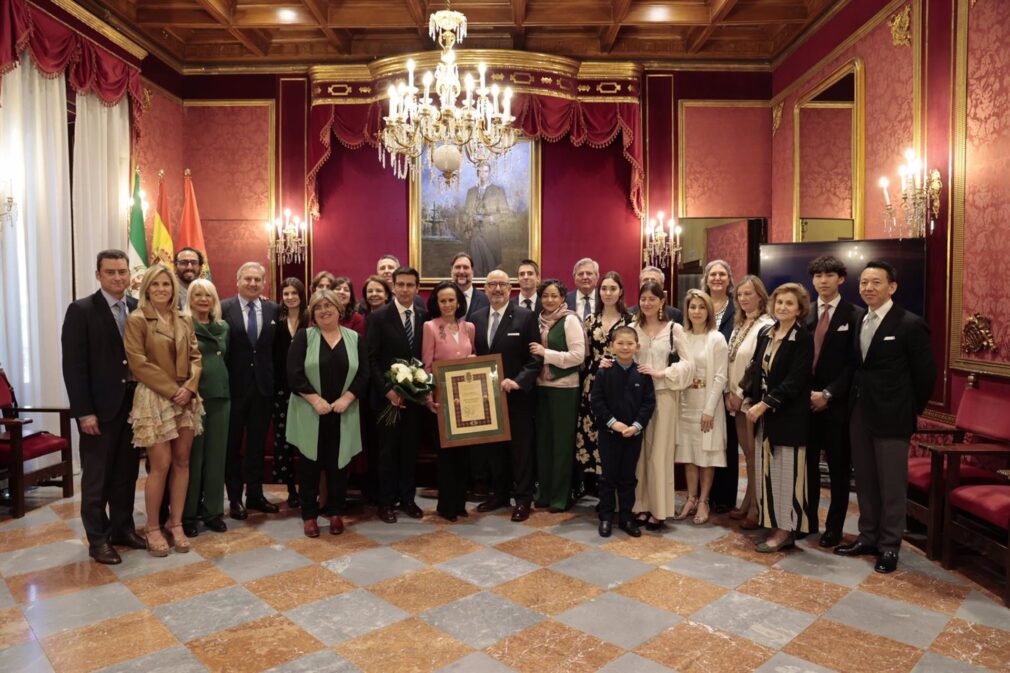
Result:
[727,161]
[161,147]
[826,163]
[729,242]
[987,179]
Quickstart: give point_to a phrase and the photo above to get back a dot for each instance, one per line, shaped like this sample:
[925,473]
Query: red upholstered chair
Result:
[979,517]
[16,448]
[984,415]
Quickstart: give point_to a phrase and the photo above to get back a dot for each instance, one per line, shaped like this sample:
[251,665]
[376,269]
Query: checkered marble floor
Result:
[481,596]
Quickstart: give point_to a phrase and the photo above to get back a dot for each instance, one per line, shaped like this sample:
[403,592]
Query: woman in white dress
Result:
[655,495]
[701,434]
[751,315]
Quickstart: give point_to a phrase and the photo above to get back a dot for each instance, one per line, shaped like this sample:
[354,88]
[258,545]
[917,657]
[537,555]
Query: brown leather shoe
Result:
[336,525]
[128,538]
[105,554]
[491,504]
[412,510]
[311,528]
[387,514]
[521,512]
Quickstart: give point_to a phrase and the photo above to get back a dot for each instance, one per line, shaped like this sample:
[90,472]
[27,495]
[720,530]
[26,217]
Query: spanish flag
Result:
[161,238]
[191,229]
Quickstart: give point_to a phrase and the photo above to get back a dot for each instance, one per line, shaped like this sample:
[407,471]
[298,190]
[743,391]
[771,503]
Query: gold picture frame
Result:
[474,410]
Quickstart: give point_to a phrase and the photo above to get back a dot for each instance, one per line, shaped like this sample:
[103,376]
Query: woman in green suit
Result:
[205,497]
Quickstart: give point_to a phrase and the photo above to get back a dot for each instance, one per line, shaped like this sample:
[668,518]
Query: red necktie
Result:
[821,331]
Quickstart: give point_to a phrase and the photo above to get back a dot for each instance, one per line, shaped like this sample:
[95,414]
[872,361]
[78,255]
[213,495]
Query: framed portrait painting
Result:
[493,214]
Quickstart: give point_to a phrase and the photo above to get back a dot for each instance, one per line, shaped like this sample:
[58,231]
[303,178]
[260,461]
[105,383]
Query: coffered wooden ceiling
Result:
[243,32]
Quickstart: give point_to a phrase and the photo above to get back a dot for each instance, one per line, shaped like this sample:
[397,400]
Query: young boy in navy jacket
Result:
[622,400]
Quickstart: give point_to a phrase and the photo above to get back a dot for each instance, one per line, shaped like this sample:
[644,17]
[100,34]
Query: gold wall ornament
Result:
[901,27]
[976,335]
[145,102]
[777,118]
[934,189]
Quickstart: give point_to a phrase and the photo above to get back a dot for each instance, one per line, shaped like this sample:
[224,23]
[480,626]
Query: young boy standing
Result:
[622,400]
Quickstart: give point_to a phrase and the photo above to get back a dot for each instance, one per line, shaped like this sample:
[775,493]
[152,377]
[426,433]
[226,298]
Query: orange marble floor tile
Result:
[550,647]
[360,515]
[547,591]
[298,587]
[651,549]
[255,646]
[794,591]
[541,548]
[410,646]
[834,646]
[14,630]
[100,645]
[177,584]
[23,538]
[436,547]
[68,509]
[326,547]
[423,590]
[975,644]
[742,546]
[926,592]
[237,540]
[690,647]
[51,582]
[666,590]
[542,518]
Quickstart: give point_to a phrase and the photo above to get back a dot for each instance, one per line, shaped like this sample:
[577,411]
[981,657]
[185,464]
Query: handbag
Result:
[674,356]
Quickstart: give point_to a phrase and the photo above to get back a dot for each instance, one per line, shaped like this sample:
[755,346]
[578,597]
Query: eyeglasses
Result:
[494,284]
[187,262]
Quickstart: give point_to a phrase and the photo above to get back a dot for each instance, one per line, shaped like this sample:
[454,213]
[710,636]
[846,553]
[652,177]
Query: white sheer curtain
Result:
[35,255]
[101,180]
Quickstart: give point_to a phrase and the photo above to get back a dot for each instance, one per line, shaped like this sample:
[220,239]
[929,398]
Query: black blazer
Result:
[282,342]
[250,368]
[728,318]
[385,341]
[787,423]
[95,371]
[478,301]
[537,306]
[517,330]
[895,380]
[625,395]
[673,313]
[833,371]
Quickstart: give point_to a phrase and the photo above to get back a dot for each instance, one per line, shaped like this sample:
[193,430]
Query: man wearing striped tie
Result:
[394,332]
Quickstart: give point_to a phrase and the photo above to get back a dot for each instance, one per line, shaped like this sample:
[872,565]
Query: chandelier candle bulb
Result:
[410,73]
[884,184]
[508,104]
[481,68]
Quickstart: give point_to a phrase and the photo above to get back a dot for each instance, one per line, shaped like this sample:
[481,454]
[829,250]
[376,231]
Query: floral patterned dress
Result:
[587,446]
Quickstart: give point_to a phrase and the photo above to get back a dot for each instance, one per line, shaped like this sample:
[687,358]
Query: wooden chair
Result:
[16,448]
[985,416]
[978,517]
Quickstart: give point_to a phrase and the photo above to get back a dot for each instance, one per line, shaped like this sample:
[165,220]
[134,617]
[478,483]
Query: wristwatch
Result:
[827,395]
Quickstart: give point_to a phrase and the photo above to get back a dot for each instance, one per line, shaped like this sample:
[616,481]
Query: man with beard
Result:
[188,267]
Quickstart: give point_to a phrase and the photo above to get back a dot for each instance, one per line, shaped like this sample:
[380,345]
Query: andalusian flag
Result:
[191,229]
[137,251]
[161,239]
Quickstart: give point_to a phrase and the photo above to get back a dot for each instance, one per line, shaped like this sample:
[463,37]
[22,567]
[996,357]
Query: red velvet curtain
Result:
[541,117]
[56,48]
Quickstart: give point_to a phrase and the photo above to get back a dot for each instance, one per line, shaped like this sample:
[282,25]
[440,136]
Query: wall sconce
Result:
[662,242]
[8,207]
[920,199]
[288,239]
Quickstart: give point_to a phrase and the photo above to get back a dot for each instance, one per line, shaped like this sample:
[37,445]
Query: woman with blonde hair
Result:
[207,458]
[165,360]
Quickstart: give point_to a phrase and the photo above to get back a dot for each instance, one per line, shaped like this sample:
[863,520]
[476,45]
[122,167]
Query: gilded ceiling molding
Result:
[901,27]
[777,117]
[99,26]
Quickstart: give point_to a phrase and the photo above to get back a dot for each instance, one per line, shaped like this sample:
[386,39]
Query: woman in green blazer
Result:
[205,497]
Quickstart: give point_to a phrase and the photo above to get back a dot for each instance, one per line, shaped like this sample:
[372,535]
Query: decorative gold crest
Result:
[977,336]
[901,27]
[145,102]
[776,117]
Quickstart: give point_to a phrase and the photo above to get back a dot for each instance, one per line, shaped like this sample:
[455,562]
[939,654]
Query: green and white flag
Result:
[137,250]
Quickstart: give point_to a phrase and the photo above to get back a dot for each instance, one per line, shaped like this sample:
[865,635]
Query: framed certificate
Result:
[473,408]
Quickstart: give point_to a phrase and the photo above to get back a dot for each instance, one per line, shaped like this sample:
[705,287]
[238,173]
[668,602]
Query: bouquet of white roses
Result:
[408,380]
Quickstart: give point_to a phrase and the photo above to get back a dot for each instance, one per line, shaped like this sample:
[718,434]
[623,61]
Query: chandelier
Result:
[920,199]
[662,248]
[480,126]
[288,240]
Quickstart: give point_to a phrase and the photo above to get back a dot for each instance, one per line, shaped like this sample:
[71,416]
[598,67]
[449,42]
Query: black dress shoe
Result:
[412,510]
[886,562]
[104,553]
[129,539]
[462,512]
[630,528]
[491,505]
[521,512]
[237,511]
[262,505]
[294,502]
[190,529]
[387,514]
[653,526]
[857,548]
[448,517]
[217,525]
[605,528]
[830,538]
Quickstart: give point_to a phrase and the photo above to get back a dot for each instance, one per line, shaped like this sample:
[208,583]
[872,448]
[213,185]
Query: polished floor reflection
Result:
[481,596]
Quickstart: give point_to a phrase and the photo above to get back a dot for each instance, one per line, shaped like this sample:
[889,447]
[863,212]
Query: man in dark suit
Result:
[100,389]
[528,274]
[253,323]
[891,386]
[583,298]
[509,330]
[394,332]
[462,275]
[656,275]
[834,324]
[385,267]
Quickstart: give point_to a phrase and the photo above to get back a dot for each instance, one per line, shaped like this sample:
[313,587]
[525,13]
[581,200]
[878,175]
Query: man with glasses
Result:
[188,267]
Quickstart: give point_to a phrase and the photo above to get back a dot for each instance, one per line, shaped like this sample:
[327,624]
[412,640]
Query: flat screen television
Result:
[787,262]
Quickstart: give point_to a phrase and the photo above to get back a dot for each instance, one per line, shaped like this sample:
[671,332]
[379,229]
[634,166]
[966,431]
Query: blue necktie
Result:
[494,326]
[585,307]
[409,326]
[251,326]
[120,316]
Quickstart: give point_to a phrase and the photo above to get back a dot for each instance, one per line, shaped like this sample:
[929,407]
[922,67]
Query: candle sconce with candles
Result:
[288,239]
[8,207]
[662,242]
[920,199]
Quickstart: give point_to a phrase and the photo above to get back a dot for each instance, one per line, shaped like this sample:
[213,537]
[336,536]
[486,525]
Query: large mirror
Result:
[828,157]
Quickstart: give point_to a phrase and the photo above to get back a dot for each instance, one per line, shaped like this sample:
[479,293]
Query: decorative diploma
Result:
[473,408]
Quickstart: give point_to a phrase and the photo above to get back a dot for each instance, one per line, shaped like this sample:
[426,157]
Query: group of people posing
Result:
[601,396]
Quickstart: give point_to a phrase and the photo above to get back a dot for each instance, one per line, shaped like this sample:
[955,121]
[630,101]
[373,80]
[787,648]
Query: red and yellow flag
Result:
[162,249]
[191,229]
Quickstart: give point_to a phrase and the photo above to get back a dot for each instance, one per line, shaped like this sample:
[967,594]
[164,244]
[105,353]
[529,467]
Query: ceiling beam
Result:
[518,19]
[223,11]
[339,38]
[619,14]
[719,9]
[417,13]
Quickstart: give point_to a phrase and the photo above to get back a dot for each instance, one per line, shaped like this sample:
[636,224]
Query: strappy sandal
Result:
[156,548]
[180,543]
[698,518]
[690,507]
